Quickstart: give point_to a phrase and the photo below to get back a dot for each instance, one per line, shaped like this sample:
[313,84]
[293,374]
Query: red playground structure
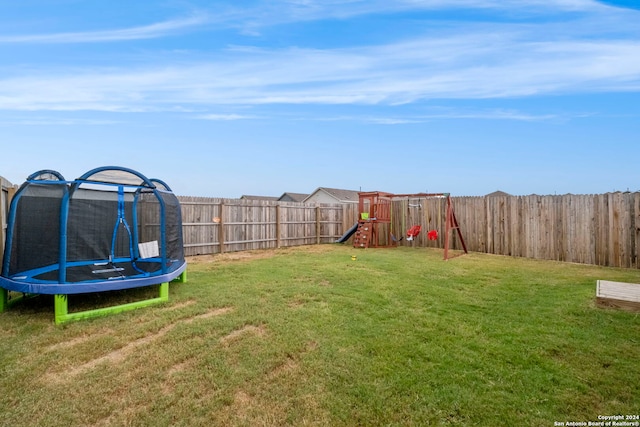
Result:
[375,221]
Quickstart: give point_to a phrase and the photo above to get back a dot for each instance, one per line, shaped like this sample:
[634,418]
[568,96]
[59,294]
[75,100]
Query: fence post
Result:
[278,226]
[221,228]
[317,225]
[7,190]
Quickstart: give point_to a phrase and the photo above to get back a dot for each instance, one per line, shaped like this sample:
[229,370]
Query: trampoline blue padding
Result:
[26,283]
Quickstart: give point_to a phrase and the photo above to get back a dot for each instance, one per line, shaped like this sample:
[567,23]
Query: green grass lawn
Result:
[307,336]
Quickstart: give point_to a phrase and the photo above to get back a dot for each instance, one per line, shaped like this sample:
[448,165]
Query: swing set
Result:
[375,227]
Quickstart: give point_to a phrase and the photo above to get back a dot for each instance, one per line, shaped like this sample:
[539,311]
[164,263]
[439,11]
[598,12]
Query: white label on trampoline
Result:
[148,249]
[107,270]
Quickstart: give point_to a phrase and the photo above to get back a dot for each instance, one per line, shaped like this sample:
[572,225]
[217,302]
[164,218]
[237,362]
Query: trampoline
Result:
[110,229]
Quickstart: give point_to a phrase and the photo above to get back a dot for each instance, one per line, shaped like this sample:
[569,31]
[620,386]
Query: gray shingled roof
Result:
[342,195]
[247,197]
[296,197]
[497,194]
[339,194]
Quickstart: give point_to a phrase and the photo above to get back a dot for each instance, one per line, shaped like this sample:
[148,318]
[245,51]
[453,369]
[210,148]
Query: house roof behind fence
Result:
[293,197]
[248,197]
[497,194]
[343,196]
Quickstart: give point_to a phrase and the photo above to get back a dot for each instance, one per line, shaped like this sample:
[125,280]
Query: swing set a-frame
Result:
[375,221]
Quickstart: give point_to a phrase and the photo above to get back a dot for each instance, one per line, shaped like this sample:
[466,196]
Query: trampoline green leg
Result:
[182,278]
[164,292]
[61,308]
[62,314]
[4,299]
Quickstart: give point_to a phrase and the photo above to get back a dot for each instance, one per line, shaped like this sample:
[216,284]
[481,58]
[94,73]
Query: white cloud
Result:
[224,117]
[464,61]
[471,66]
[441,113]
[249,20]
[271,13]
[55,121]
[158,29]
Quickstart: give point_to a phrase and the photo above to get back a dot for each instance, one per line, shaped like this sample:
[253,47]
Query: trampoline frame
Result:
[61,301]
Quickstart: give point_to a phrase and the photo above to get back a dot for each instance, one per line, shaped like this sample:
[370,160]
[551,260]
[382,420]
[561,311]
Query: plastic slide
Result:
[348,234]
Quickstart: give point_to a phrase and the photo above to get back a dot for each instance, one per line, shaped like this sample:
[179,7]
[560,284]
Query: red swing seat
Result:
[413,232]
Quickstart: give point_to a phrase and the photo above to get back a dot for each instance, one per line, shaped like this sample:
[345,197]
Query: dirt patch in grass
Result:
[289,365]
[208,314]
[257,254]
[259,331]
[232,257]
[180,305]
[292,362]
[246,407]
[77,341]
[127,416]
[242,402]
[176,369]
[297,303]
[117,356]
[168,386]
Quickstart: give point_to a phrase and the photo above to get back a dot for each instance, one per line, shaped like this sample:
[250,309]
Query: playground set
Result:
[110,229]
[374,228]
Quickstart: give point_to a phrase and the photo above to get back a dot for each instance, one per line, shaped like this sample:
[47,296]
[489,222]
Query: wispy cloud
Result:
[470,67]
[55,121]
[159,29]
[465,61]
[449,113]
[269,13]
[250,20]
[466,115]
[225,117]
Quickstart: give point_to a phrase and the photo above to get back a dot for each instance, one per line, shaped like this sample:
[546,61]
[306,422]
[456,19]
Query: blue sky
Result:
[224,98]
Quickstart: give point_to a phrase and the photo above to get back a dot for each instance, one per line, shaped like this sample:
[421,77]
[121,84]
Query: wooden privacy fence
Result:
[600,229]
[226,225]
[6,193]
